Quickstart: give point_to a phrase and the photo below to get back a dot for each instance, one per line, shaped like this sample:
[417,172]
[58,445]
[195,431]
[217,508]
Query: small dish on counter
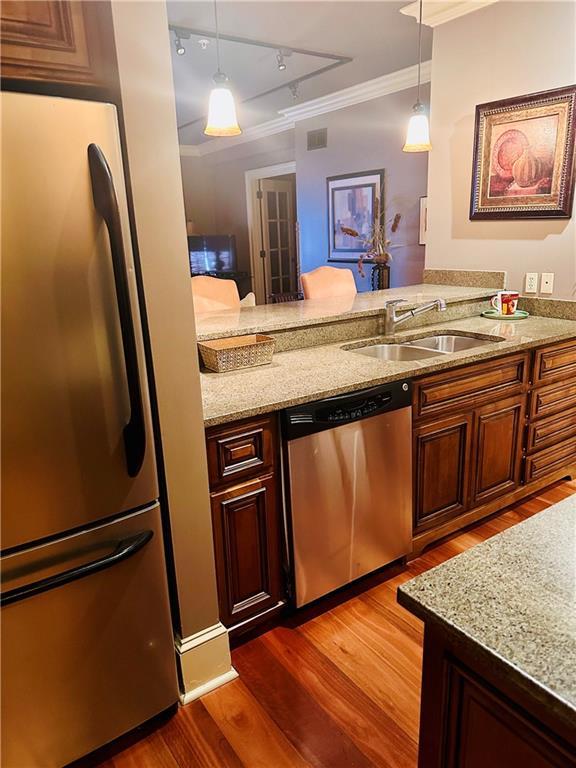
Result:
[232,353]
[493,314]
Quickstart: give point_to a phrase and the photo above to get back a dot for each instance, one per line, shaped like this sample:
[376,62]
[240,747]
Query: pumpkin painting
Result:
[522,158]
[527,170]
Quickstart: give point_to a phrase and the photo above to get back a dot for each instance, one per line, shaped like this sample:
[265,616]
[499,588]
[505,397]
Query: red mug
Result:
[505,302]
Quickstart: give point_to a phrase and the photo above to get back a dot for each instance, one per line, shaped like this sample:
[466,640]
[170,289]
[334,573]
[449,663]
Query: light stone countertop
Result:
[514,597]
[266,318]
[313,373]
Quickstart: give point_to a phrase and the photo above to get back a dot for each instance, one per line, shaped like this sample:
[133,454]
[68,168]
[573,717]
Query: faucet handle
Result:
[393,302]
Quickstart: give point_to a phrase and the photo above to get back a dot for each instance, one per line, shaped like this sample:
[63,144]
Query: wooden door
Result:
[441,464]
[278,231]
[497,453]
[247,549]
[57,41]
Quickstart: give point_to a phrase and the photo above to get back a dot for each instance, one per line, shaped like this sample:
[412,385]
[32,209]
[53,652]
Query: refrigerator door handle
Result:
[122,551]
[106,204]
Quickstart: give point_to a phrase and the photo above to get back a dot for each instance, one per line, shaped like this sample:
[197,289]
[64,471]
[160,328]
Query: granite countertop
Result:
[266,318]
[313,373]
[514,597]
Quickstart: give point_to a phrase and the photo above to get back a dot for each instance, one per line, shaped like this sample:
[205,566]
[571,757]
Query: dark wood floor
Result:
[333,689]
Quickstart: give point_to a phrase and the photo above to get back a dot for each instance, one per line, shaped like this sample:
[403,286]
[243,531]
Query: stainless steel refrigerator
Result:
[87,647]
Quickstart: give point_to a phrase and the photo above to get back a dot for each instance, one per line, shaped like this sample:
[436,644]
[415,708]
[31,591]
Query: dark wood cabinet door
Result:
[497,453]
[246,522]
[441,466]
[58,41]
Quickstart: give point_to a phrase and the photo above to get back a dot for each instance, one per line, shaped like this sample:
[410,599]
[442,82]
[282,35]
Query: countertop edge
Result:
[561,707]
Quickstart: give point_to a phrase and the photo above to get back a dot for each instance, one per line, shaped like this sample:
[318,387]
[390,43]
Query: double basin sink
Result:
[420,349]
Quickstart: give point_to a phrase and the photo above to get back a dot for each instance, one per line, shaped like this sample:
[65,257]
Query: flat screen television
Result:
[212,253]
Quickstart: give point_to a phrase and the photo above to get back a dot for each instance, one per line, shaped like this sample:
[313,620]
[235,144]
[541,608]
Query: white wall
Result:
[507,49]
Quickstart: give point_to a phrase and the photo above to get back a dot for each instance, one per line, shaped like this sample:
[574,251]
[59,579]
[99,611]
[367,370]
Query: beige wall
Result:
[507,49]
[215,190]
[141,31]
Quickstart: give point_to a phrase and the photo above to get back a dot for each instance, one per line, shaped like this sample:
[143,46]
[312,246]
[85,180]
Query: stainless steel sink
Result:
[421,349]
[447,343]
[397,352]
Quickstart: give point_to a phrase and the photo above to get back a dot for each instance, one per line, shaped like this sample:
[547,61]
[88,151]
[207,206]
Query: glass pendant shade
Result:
[222,120]
[418,133]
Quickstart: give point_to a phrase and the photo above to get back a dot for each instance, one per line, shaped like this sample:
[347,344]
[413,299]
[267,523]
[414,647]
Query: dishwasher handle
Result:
[339,410]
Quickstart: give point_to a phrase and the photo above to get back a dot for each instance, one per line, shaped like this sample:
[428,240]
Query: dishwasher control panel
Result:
[336,411]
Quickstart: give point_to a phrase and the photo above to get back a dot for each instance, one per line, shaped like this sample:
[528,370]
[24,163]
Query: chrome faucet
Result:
[391,319]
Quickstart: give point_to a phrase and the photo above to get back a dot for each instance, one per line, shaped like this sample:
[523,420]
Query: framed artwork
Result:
[353,204]
[523,165]
[423,220]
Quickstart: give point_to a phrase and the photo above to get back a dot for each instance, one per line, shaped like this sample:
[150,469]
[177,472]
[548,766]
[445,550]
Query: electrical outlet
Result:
[547,282]
[531,282]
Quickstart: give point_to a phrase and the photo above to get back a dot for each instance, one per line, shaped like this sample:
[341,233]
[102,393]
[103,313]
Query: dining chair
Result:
[325,282]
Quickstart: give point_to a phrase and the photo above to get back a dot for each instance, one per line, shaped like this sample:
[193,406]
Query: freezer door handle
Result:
[106,204]
[122,551]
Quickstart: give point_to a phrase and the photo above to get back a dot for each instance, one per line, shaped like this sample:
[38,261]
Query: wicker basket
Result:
[236,352]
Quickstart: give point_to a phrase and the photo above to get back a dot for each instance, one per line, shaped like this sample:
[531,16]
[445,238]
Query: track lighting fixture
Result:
[280,60]
[180,50]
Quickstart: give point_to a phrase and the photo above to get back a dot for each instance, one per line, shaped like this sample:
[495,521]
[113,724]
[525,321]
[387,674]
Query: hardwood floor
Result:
[336,686]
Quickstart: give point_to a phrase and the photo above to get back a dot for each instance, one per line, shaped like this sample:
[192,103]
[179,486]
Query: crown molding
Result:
[356,94]
[279,125]
[436,12]
[347,97]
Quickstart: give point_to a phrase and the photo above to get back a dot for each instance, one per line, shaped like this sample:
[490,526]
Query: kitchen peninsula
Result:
[499,681]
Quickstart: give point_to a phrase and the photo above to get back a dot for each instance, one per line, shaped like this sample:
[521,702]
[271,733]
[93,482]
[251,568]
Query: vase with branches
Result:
[377,243]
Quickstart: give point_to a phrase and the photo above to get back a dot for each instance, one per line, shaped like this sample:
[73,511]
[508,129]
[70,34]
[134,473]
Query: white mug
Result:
[505,302]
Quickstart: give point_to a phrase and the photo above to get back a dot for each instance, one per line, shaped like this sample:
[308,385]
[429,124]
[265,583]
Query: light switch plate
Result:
[547,282]
[531,282]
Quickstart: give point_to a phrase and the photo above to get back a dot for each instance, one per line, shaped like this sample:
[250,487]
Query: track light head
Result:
[180,50]
[280,61]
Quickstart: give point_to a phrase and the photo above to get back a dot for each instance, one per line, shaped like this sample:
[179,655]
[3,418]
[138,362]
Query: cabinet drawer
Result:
[550,460]
[465,388]
[553,399]
[240,451]
[555,363]
[551,431]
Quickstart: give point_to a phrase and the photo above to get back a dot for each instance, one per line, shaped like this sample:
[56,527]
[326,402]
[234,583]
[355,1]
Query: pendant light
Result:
[222,119]
[418,133]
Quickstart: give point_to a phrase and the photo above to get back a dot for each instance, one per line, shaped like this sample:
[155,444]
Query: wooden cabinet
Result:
[246,548]
[487,434]
[247,520]
[555,363]
[474,714]
[497,453]
[459,390]
[442,461]
[472,455]
[57,41]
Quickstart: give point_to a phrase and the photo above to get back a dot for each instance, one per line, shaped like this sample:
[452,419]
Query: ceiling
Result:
[374,35]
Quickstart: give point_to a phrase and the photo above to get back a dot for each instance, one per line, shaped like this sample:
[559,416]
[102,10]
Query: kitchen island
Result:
[499,680]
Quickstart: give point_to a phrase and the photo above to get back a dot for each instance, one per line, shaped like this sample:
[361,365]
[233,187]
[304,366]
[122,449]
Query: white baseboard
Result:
[211,685]
[204,661]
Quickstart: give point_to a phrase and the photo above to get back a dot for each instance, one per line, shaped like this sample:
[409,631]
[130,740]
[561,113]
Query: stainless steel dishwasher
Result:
[350,486]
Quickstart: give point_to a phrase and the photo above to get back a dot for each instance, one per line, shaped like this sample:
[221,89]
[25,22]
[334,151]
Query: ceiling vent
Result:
[317,139]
